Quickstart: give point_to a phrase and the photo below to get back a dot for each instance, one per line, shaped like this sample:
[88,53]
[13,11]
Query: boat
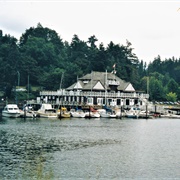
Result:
[106,114]
[11,110]
[92,113]
[63,113]
[119,113]
[133,112]
[145,114]
[77,113]
[171,116]
[47,111]
[27,114]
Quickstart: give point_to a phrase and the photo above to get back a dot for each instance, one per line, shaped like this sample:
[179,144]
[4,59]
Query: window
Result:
[99,101]
[90,101]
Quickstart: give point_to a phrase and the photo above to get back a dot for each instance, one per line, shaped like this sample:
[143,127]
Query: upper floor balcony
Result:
[95,94]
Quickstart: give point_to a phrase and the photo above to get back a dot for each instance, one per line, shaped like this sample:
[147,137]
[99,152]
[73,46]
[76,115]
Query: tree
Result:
[156,89]
[171,97]
[172,86]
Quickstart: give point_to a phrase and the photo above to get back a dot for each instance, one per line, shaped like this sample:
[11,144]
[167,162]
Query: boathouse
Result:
[98,89]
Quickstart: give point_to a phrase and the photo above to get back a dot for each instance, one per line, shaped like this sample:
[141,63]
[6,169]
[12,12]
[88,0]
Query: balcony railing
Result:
[95,94]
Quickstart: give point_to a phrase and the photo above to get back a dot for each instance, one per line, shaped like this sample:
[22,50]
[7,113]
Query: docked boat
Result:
[171,116]
[133,112]
[47,111]
[77,113]
[11,110]
[27,114]
[106,114]
[145,114]
[63,113]
[92,113]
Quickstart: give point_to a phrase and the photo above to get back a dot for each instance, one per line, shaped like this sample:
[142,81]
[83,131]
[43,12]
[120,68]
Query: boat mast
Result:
[106,88]
[60,86]
[61,80]
[28,88]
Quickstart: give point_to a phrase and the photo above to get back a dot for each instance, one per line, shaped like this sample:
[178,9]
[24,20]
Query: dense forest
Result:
[40,57]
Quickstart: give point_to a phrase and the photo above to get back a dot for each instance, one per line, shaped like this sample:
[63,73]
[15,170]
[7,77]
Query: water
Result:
[89,149]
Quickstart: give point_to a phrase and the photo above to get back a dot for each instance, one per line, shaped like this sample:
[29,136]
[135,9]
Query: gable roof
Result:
[99,80]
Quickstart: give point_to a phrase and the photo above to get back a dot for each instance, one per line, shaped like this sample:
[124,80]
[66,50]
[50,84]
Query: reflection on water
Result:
[89,148]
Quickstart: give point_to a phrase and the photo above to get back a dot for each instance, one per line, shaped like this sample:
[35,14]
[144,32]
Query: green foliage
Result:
[156,90]
[171,97]
[41,57]
[172,86]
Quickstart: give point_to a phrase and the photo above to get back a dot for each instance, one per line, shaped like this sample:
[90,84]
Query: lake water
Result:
[89,148]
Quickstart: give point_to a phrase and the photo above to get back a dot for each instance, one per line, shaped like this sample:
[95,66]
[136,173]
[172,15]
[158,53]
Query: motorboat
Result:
[133,112]
[27,114]
[11,110]
[77,113]
[47,111]
[144,114]
[171,116]
[106,114]
[63,113]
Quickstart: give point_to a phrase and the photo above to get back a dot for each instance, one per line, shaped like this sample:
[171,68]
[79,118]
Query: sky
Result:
[152,27]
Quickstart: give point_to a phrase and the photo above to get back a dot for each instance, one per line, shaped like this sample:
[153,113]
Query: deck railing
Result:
[94,94]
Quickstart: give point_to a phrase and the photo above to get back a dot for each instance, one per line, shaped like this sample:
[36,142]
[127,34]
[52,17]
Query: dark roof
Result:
[90,80]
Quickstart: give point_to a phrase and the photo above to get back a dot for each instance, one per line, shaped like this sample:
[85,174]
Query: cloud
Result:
[152,27]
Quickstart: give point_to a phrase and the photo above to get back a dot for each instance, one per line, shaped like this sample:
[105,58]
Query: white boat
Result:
[77,113]
[92,115]
[144,114]
[171,116]
[11,110]
[105,114]
[47,111]
[27,113]
[133,112]
[118,112]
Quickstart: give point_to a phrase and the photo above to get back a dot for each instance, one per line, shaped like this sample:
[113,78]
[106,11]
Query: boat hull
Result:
[92,115]
[10,114]
[11,110]
[107,115]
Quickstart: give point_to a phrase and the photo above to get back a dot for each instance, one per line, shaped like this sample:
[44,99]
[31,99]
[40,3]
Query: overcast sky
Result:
[152,27]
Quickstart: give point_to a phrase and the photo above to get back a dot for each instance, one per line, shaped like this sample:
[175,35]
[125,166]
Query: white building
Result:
[97,88]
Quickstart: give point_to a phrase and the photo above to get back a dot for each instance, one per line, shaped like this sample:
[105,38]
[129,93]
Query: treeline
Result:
[40,57]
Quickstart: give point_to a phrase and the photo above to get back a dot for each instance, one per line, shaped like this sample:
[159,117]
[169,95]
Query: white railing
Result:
[94,94]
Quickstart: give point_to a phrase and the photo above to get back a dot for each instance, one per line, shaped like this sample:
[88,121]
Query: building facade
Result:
[98,89]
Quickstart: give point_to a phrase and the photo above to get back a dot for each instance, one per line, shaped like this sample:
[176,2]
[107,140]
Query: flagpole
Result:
[114,71]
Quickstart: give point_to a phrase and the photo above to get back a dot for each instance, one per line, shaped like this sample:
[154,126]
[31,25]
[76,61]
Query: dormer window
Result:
[85,81]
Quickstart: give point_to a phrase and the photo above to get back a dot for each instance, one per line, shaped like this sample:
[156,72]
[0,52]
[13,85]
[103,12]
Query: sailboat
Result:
[92,113]
[107,112]
[27,109]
